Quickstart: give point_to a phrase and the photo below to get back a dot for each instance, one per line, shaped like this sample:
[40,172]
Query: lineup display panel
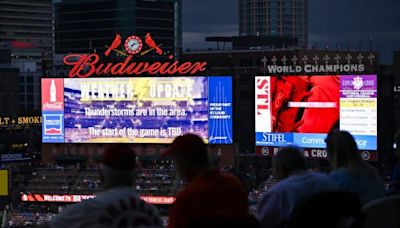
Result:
[301,110]
[136,110]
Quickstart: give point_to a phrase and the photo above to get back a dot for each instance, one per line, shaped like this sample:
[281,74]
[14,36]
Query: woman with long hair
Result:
[349,170]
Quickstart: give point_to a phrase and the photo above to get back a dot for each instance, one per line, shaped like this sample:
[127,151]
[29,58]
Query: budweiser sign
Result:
[85,65]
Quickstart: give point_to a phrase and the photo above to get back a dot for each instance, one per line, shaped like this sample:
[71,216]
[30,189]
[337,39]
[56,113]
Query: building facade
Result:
[29,24]
[86,26]
[9,97]
[29,65]
[27,29]
[275,18]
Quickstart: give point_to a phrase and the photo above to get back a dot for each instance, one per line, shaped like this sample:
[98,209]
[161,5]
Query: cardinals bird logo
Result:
[116,42]
[150,42]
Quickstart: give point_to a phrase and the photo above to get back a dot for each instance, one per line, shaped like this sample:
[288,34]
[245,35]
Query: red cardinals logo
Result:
[114,47]
[149,41]
[115,44]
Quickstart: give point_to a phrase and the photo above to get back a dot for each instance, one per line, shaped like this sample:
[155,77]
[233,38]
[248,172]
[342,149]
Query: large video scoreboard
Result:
[301,110]
[136,110]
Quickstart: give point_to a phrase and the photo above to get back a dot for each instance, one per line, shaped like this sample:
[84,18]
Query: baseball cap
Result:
[187,145]
[119,157]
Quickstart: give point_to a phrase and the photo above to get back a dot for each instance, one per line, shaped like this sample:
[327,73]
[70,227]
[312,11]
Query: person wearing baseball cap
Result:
[211,198]
[118,205]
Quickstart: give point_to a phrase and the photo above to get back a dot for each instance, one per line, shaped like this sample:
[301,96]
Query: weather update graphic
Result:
[139,110]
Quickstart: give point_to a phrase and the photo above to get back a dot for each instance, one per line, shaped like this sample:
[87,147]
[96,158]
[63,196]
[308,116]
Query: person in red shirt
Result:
[211,198]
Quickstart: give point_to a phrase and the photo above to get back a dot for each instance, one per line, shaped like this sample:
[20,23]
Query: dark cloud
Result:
[203,18]
[330,21]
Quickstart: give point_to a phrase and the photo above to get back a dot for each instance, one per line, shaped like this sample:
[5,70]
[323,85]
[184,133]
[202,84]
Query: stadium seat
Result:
[382,213]
[328,210]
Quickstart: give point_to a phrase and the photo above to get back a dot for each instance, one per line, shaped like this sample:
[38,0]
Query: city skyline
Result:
[355,24]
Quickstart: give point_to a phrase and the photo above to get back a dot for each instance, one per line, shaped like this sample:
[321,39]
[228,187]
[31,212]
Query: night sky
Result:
[330,21]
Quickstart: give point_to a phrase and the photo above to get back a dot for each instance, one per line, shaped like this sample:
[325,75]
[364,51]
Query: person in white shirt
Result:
[118,205]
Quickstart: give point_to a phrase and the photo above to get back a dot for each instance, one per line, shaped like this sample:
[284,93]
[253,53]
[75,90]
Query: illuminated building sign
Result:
[21,121]
[327,63]
[85,65]
[309,68]
[53,198]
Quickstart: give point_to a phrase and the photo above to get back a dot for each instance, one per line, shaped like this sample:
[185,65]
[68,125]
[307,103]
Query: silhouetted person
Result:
[394,188]
[211,197]
[335,209]
[118,205]
[350,171]
[295,183]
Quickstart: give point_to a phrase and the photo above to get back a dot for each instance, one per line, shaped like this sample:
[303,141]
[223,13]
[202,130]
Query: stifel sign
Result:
[86,65]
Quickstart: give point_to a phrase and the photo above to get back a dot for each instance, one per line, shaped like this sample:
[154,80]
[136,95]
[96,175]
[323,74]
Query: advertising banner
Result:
[54,198]
[301,110]
[139,110]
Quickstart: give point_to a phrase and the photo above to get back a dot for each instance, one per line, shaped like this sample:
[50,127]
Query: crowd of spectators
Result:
[31,214]
[155,177]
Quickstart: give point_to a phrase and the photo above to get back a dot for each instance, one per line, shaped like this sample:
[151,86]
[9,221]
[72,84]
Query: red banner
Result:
[54,198]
